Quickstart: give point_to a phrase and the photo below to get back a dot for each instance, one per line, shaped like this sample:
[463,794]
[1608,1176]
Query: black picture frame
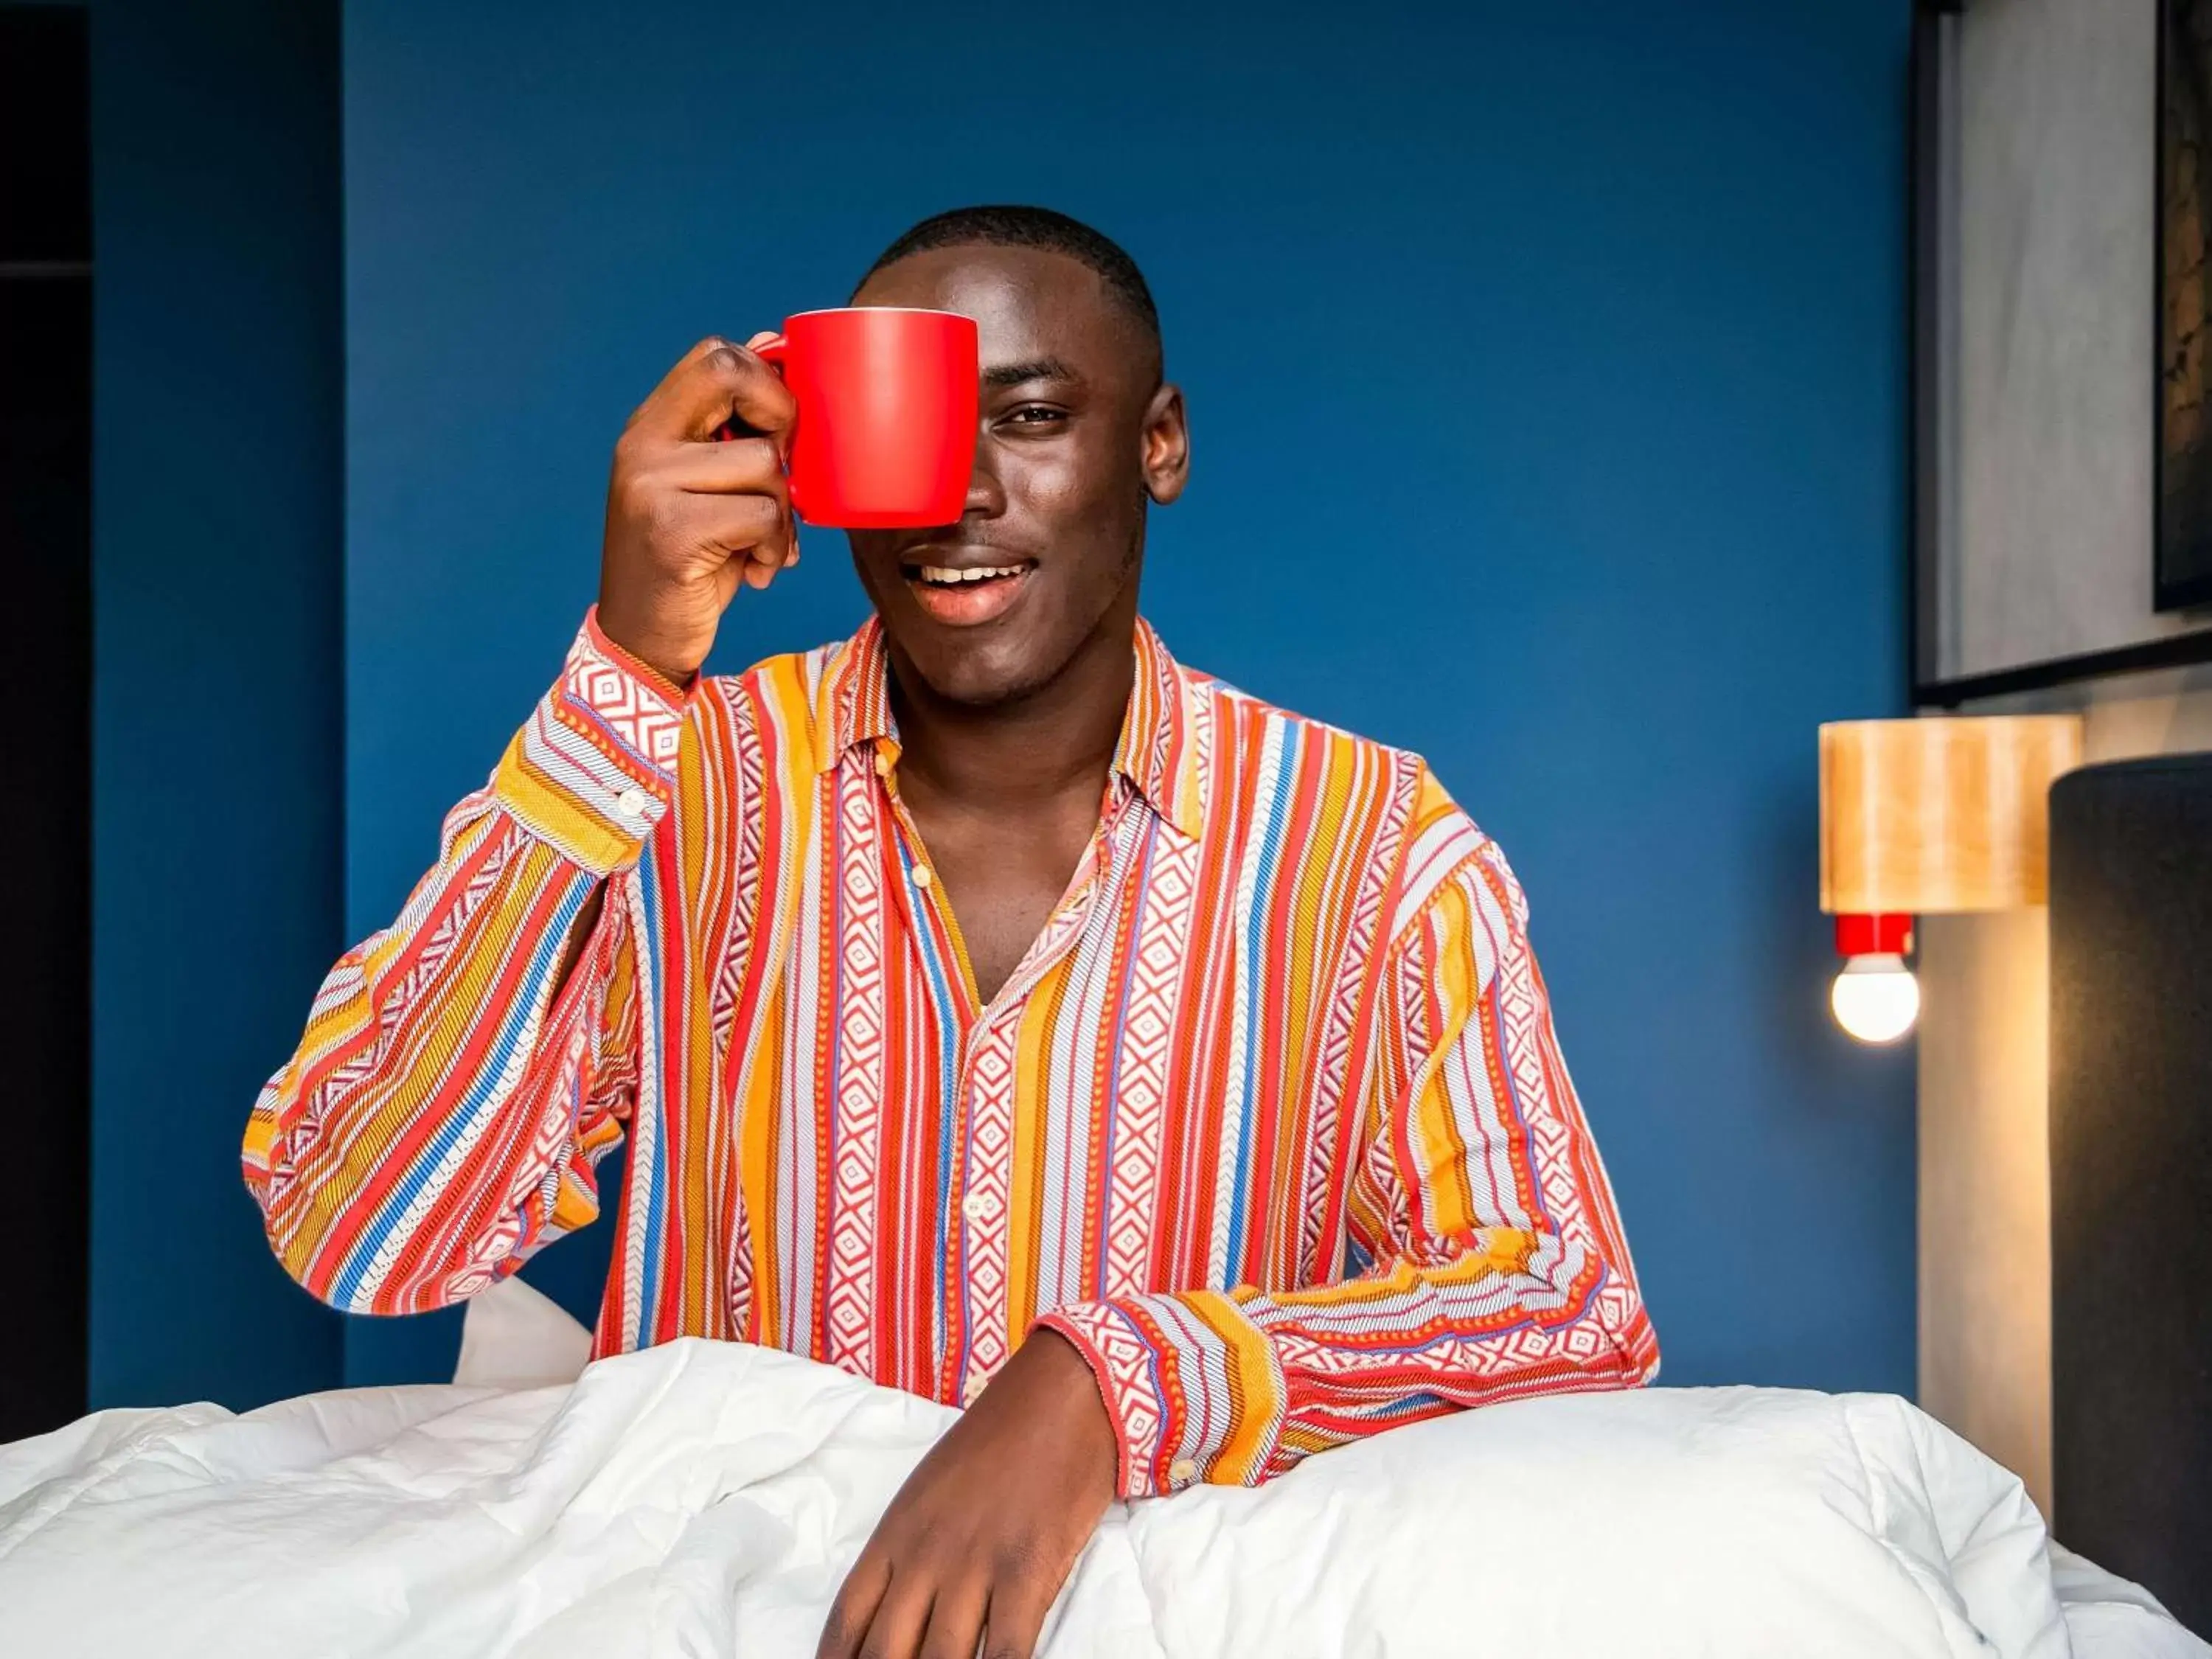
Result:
[1933,321]
[2182,535]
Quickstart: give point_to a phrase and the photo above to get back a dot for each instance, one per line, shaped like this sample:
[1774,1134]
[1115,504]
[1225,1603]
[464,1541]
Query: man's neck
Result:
[1030,753]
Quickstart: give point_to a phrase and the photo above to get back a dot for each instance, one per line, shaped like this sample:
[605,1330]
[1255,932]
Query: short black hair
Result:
[1011,226]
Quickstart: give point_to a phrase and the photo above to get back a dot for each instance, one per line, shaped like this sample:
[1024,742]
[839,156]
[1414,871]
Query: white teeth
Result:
[937,574]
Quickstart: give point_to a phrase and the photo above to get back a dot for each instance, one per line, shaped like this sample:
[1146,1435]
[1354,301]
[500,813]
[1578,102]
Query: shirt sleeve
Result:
[1498,1268]
[441,1116]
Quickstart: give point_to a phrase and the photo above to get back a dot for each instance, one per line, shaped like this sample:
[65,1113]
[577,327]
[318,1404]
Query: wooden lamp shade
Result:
[1924,816]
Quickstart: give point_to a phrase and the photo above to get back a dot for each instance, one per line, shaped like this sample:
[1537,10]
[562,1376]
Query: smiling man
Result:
[995,1007]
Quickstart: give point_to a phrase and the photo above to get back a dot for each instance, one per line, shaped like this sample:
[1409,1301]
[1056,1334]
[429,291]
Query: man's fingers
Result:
[731,383]
[956,1621]
[716,382]
[741,466]
[901,1617]
[659,399]
[857,1598]
[757,527]
[1016,1618]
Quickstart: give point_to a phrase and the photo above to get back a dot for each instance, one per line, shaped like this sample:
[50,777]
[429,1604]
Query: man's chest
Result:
[997,880]
[1138,967]
[1148,1102]
[1167,1090]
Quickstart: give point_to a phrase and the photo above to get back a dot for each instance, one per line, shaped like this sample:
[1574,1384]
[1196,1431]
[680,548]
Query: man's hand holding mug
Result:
[689,518]
[859,417]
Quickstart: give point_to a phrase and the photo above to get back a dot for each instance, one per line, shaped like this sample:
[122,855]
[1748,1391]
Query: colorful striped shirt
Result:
[1270,1122]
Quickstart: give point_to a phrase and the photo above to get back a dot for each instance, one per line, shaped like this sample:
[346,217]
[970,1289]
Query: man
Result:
[994,1008]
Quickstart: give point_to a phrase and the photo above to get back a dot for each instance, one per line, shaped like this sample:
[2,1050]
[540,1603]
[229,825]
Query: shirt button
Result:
[921,876]
[1183,1471]
[974,1206]
[973,1391]
[633,803]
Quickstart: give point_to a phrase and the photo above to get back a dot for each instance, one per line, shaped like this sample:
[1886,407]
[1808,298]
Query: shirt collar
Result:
[1157,752]
[854,703]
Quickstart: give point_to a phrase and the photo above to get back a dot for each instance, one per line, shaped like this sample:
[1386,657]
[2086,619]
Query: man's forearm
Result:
[410,1031]
[404,1041]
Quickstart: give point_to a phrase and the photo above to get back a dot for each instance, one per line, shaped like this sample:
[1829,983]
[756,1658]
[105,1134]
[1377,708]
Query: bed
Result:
[701,1499]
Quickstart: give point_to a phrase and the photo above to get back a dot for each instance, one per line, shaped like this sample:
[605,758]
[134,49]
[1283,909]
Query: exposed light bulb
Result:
[1875,998]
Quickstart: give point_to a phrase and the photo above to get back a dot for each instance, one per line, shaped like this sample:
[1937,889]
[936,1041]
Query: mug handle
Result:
[771,351]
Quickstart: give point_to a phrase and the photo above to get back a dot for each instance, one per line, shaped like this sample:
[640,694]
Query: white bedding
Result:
[703,1499]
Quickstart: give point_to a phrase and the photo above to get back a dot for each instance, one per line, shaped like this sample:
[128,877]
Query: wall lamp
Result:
[1925,817]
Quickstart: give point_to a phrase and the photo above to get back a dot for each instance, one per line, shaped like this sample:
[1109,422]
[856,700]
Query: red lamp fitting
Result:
[1873,936]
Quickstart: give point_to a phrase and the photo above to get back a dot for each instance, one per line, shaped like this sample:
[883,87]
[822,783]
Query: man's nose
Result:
[987,496]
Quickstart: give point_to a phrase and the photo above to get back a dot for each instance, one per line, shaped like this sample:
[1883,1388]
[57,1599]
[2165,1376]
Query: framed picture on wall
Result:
[2183,451]
[2061,345]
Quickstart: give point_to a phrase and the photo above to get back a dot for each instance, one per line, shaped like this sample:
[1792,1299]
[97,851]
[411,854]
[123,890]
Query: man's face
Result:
[1076,435]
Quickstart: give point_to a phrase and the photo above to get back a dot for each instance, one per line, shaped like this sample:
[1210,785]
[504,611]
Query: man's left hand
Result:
[988,1525]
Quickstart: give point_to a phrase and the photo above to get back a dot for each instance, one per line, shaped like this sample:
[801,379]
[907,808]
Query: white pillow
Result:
[514,1337]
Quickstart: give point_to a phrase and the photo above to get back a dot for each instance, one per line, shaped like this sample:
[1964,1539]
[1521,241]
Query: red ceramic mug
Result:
[885,437]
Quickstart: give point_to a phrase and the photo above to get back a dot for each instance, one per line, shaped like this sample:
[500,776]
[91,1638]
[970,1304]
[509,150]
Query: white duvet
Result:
[703,1499]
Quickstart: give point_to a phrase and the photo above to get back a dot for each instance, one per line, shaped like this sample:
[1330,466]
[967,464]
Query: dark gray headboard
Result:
[2131,1173]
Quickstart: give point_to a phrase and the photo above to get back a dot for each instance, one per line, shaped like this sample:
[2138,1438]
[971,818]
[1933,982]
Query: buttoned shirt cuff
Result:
[594,769]
[1193,1388]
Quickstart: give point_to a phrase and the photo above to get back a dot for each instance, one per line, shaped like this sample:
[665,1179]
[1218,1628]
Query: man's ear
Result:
[1166,444]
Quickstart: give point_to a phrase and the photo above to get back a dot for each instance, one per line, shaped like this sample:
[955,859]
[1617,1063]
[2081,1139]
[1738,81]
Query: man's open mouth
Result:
[962,596]
[938,575]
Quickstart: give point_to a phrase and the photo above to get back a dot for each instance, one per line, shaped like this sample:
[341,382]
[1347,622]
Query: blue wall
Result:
[216,519]
[1546,375]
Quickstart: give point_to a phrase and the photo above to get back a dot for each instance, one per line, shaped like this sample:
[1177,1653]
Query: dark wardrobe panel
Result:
[46,549]
[2131,1173]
